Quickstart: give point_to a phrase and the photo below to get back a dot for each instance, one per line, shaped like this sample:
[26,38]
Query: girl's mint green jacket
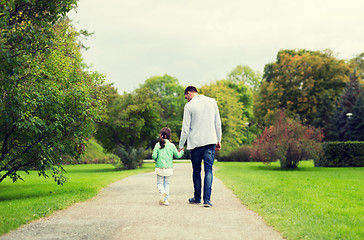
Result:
[164,157]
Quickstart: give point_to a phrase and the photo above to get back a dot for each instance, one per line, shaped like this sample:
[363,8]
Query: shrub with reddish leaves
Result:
[287,141]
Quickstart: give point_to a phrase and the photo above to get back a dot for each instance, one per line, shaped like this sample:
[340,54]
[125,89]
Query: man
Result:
[202,129]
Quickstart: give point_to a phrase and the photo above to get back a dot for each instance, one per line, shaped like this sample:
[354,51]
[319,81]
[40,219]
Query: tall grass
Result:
[36,197]
[306,203]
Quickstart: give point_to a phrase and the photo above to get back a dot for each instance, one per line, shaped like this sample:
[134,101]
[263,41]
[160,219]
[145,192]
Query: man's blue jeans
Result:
[207,154]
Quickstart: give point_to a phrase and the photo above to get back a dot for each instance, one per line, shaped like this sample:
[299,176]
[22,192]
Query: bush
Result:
[341,154]
[288,141]
[242,154]
[130,158]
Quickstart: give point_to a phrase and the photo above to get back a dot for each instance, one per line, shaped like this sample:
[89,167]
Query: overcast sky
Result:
[200,41]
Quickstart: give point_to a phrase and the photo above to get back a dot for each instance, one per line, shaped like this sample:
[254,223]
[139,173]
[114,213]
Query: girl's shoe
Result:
[162,197]
[166,203]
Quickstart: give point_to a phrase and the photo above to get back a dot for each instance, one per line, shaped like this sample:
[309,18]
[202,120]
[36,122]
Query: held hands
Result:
[181,149]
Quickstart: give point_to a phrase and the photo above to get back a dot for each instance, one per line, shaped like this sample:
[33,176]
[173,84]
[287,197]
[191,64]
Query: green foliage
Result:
[287,141]
[356,121]
[24,33]
[358,66]
[325,118]
[242,154]
[345,105]
[171,100]
[48,104]
[244,74]
[299,81]
[23,202]
[305,203]
[341,154]
[132,120]
[129,158]
[245,97]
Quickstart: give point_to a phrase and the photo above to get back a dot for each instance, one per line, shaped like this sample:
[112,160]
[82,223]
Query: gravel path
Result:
[129,209]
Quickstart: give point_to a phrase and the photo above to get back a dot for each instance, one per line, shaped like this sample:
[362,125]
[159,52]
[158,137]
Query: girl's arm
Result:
[155,152]
[176,153]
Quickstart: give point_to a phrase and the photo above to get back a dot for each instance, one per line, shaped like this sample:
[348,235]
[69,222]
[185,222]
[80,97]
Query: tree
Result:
[48,103]
[287,141]
[357,63]
[267,103]
[132,121]
[298,81]
[245,97]
[24,33]
[325,118]
[356,121]
[345,106]
[230,108]
[171,100]
[244,74]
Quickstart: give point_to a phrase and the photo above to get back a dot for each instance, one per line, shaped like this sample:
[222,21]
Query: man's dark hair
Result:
[190,89]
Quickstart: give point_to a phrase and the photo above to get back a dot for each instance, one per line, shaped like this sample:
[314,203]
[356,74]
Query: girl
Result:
[163,154]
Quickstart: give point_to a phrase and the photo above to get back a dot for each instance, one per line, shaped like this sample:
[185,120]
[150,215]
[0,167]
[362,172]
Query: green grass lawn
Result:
[36,197]
[306,203]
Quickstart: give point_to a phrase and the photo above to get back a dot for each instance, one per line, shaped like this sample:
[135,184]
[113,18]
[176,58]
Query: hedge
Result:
[241,154]
[341,154]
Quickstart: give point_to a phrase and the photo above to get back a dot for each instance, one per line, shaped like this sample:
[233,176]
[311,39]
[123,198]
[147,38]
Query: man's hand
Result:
[181,149]
[218,146]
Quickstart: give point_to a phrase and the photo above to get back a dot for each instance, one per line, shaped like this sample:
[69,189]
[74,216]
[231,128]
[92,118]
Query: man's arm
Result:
[218,128]
[185,127]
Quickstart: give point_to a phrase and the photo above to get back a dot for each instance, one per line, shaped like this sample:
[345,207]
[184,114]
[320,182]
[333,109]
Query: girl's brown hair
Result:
[165,133]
